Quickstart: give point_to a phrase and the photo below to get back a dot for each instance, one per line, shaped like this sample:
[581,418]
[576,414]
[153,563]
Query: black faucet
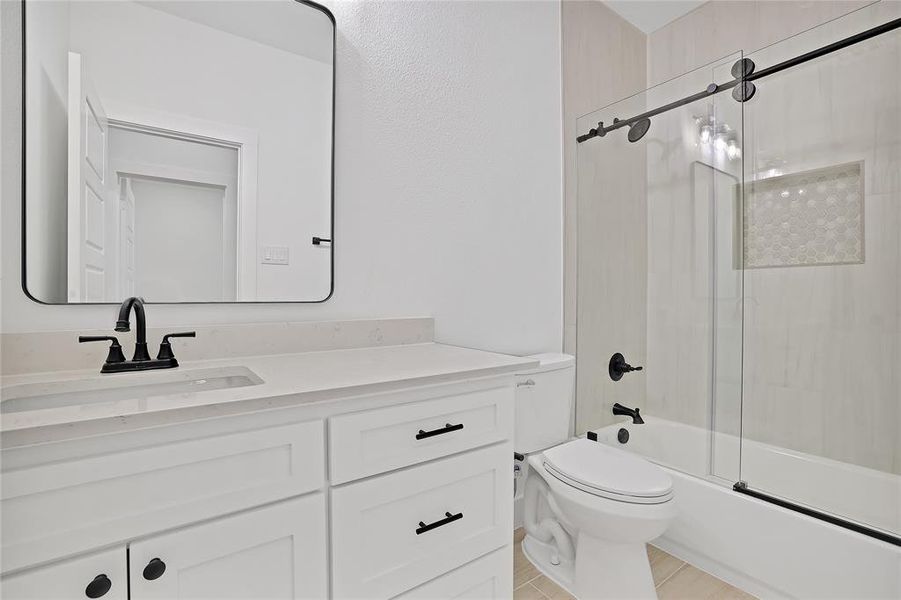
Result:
[123,324]
[619,409]
[140,361]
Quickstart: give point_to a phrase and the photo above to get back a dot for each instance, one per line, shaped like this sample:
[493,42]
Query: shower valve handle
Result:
[618,367]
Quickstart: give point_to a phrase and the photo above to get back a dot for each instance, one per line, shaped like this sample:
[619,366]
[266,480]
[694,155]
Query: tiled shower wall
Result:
[603,61]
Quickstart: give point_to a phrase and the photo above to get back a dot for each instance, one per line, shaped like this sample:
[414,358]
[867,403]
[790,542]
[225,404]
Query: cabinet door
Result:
[274,552]
[99,575]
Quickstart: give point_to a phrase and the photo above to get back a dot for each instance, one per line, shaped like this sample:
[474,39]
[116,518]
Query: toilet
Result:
[589,509]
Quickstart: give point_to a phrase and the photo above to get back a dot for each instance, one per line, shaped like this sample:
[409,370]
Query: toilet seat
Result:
[608,472]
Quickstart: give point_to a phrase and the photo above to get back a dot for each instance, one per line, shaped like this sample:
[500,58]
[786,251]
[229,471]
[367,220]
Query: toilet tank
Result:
[543,406]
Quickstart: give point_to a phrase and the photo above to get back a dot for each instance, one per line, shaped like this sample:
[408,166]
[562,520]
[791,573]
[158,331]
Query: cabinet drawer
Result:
[486,578]
[274,552]
[392,533]
[70,506]
[366,443]
[69,579]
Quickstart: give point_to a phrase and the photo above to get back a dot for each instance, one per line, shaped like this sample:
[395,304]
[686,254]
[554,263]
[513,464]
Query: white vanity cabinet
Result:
[395,532]
[490,576]
[276,552]
[389,491]
[407,526]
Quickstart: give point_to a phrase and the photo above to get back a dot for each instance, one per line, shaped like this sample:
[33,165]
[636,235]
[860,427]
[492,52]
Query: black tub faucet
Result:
[123,324]
[620,410]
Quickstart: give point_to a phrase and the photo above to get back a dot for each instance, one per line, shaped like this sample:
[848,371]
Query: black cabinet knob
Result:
[98,587]
[154,569]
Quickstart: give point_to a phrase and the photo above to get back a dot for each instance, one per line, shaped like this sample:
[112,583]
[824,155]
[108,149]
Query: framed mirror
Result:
[178,150]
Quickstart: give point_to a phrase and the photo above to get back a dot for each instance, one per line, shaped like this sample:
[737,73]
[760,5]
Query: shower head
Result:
[638,129]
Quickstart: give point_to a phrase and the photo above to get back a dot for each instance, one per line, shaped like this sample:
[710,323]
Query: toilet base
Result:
[540,554]
[612,571]
[602,570]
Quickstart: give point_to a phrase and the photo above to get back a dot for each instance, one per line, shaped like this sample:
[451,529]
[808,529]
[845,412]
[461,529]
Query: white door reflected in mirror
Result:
[173,149]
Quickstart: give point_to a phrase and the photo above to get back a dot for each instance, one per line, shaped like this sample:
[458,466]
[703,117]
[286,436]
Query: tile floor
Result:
[675,579]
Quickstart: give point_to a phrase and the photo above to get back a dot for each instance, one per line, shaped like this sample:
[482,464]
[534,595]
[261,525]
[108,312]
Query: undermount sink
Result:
[114,388]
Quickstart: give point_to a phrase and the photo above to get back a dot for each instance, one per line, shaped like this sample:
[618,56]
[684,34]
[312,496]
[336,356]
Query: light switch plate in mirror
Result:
[178,150]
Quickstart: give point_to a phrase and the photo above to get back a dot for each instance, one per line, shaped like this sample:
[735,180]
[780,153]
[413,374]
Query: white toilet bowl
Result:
[589,515]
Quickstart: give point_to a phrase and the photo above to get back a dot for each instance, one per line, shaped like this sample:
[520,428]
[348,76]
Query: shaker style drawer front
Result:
[487,578]
[99,575]
[366,443]
[66,507]
[395,532]
[277,552]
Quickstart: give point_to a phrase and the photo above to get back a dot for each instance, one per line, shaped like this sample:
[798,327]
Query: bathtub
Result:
[766,550]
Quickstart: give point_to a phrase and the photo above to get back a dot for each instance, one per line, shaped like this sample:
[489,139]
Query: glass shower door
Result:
[658,279]
[821,247]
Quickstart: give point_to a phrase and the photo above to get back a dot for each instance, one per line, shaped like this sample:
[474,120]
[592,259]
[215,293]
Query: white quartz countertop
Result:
[287,380]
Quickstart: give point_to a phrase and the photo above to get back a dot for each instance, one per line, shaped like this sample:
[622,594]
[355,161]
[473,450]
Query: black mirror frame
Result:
[311,4]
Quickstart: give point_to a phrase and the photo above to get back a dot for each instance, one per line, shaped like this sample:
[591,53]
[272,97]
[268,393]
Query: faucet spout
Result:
[123,324]
[620,410]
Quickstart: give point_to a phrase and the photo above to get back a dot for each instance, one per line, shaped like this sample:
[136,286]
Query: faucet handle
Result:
[115,354]
[165,352]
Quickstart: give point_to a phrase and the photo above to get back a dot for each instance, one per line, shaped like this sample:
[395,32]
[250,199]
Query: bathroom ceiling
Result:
[651,15]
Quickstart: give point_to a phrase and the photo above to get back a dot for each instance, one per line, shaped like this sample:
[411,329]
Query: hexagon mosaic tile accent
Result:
[803,219]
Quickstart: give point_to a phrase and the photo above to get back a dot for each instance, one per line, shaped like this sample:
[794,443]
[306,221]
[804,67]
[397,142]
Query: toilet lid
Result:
[597,468]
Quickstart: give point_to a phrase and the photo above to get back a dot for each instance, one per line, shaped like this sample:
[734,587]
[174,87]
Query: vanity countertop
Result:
[288,380]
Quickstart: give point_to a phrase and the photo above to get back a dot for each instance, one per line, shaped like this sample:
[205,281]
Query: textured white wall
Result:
[448,178]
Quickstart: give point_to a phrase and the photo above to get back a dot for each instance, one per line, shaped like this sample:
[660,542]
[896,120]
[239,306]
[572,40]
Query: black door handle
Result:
[154,569]
[98,587]
[449,518]
[446,429]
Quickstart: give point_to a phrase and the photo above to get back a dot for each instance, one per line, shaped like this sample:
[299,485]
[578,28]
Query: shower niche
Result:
[806,218]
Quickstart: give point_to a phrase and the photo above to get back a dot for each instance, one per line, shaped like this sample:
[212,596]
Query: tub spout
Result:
[620,410]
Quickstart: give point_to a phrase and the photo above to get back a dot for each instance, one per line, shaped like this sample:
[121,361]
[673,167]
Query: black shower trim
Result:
[742,488]
[743,71]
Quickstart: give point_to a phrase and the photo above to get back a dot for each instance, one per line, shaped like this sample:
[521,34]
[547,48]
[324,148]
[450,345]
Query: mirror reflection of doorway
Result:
[178,216]
[184,245]
[158,207]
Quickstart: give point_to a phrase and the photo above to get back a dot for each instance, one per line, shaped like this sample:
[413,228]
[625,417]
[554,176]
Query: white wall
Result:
[448,178]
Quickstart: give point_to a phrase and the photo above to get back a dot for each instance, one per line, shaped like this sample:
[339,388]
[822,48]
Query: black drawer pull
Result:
[98,587]
[446,429]
[449,518]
